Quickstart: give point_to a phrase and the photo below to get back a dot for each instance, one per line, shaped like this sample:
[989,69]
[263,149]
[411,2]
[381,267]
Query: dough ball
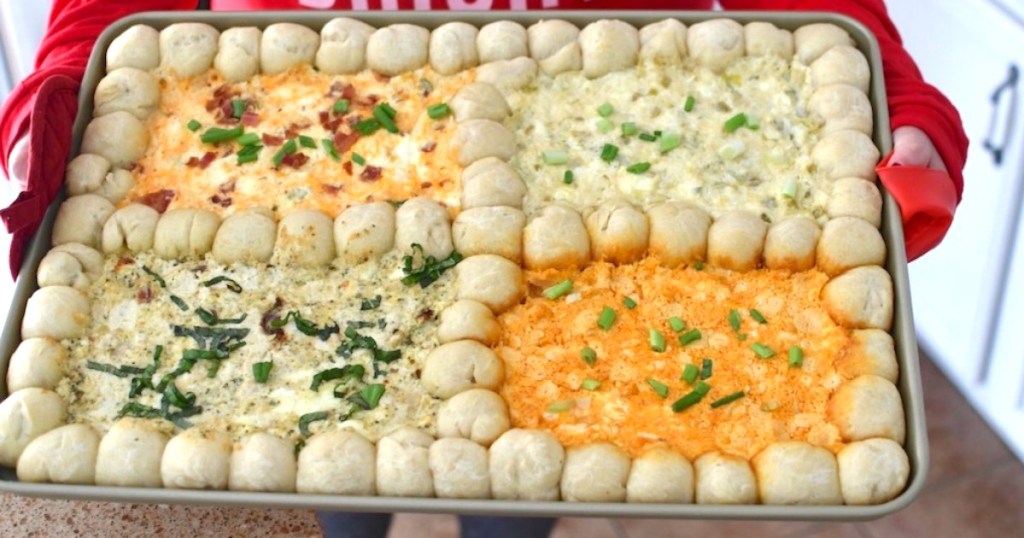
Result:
[618,232]
[766,39]
[187,49]
[403,464]
[554,44]
[736,240]
[138,47]
[790,244]
[398,48]
[91,174]
[848,242]
[871,351]
[364,232]
[262,462]
[860,298]
[286,45]
[479,139]
[841,65]
[25,415]
[453,48]
[868,406]
[57,312]
[468,320]
[679,233]
[660,475]
[608,46]
[424,222]
[663,42]
[305,237]
[556,238]
[491,280]
[246,237]
[196,459]
[479,101]
[842,107]
[131,228]
[508,75]
[595,473]
[476,414]
[491,182]
[461,365]
[846,153]
[872,471]
[812,40]
[70,264]
[855,197]
[337,462]
[459,467]
[238,53]
[65,455]
[724,479]
[795,472]
[501,40]
[118,137]
[716,43]
[130,453]
[494,230]
[343,46]
[185,233]
[526,465]
[80,219]
[127,90]
[36,362]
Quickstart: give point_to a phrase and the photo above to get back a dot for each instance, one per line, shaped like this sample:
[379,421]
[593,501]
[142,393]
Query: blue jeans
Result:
[358,525]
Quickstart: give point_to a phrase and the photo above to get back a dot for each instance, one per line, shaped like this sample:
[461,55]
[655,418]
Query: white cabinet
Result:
[968,299]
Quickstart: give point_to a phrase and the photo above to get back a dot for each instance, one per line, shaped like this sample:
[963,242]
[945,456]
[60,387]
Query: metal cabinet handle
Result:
[1008,86]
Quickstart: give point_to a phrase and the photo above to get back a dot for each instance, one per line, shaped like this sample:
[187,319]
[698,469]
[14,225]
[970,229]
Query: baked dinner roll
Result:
[812,40]
[860,298]
[56,312]
[556,238]
[337,462]
[363,232]
[285,45]
[679,233]
[80,219]
[246,236]
[70,264]
[871,351]
[508,75]
[494,230]
[555,46]
[491,182]
[724,479]
[795,472]
[128,90]
[185,233]
[790,244]
[491,280]
[479,139]
[856,197]
[618,232]
[841,65]
[468,320]
[305,237]
[91,174]
[196,459]
[461,365]
[872,471]
[842,107]
[459,467]
[238,53]
[660,475]
[848,242]
[479,101]
[766,39]
[118,137]
[403,464]
[130,228]
[130,453]
[716,43]
[479,415]
[846,153]
[25,415]
[867,406]
[66,455]
[187,48]
[501,40]
[343,46]
[595,473]
[736,240]
[398,48]
[138,47]
[453,48]
[608,45]
[526,465]
[36,362]
[262,462]
[663,41]
[424,222]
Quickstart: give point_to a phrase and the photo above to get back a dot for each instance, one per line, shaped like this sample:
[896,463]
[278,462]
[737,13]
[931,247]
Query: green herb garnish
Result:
[762,350]
[159,280]
[228,283]
[609,152]
[656,340]
[690,373]
[796,356]
[606,318]
[758,317]
[216,135]
[588,355]
[309,418]
[706,368]
[724,400]
[261,371]
[638,168]
[438,111]
[193,125]
[676,324]
[689,337]
[590,384]
[659,387]
[562,288]
[430,268]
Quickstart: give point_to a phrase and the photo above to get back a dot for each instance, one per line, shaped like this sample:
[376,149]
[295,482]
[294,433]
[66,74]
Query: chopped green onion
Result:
[690,372]
[638,168]
[762,350]
[214,135]
[758,317]
[796,356]
[606,319]
[106,368]
[706,367]
[690,101]
[590,384]
[560,406]
[604,125]
[331,150]
[676,323]
[384,114]
[559,289]
[367,127]
[648,137]
[305,420]
[691,398]
[588,355]
[702,388]
[699,266]
[629,129]
[609,152]
[735,122]
[340,106]
[244,158]
[368,397]
[159,280]
[734,319]
[724,400]
[387,110]
[180,303]
[567,177]
[555,157]
[438,111]
[732,149]
[193,125]
[659,387]
[605,110]
[237,108]
[358,159]
[629,303]
[669,142]
[789,189]
[261,371]
[230,284]
[426,86]
[307,142]
[689,337]
[656,340]
[657,134]
[287,148]
[752,123]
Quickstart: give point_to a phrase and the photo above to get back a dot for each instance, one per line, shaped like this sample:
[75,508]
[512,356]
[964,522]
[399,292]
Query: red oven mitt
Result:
[927,200]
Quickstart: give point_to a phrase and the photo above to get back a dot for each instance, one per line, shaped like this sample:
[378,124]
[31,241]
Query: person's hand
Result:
[912,147]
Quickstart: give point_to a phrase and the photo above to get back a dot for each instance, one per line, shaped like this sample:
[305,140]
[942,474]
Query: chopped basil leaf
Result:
[370,304]
[430,268]
[230,284]
[159,280]
[261,371]
[307,419]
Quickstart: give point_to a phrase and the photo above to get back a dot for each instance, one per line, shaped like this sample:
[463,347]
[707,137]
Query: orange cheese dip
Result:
[417,161]
[543,338]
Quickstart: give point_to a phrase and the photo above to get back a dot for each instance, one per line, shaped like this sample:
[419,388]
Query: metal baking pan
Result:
[903,327]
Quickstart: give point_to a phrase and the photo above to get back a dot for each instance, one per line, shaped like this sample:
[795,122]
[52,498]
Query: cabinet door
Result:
[967,49]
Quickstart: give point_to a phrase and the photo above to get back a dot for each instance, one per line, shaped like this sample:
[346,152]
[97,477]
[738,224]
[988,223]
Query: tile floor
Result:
[975,487]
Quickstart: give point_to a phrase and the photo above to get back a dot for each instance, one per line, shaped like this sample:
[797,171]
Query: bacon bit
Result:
[428,147]
[201,163]
[158,200]
[426,185]
[293,130]
[347,166]
[270,316]
[381,77]
[425,315]
[369,100]
[295,160]
[332,189]
[417,373]
[227,186]
[224,201]
[133,166]
[271,140]
[344,141]
[144,295]
[370,173]
[225,113]
[352,119]
[122,261]
[250,119]
[341,90]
